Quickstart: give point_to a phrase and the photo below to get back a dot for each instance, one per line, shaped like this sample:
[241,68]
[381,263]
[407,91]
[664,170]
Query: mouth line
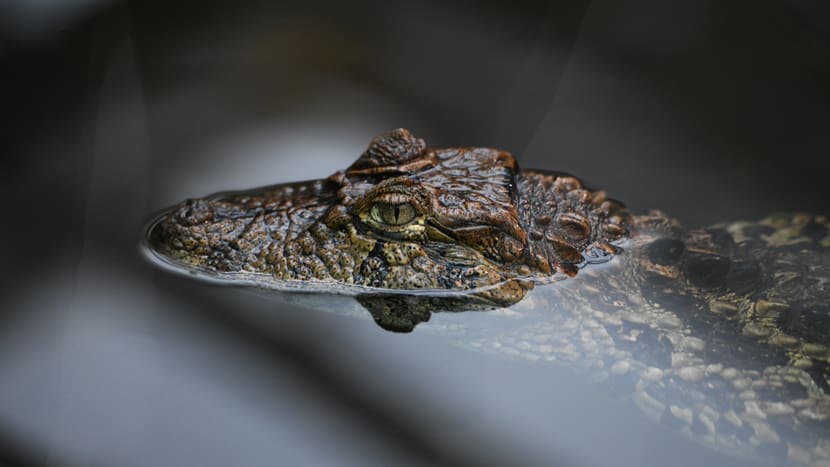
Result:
[447,234]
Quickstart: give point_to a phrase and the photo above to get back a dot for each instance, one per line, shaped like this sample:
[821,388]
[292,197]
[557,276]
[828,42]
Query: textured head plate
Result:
[401,217]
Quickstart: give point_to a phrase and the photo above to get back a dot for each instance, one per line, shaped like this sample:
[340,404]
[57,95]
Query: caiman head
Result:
[403,217]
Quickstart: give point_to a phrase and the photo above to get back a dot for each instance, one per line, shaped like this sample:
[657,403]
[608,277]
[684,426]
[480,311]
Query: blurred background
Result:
[708,110]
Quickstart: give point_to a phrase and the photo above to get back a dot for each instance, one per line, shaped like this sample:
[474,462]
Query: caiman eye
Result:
[393,213]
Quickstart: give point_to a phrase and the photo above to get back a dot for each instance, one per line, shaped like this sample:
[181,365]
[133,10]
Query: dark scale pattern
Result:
[567,223]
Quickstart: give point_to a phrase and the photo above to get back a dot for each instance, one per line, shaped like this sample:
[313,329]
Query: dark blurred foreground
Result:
[711,111]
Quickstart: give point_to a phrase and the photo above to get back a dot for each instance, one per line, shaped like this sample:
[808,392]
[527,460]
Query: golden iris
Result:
[393,213]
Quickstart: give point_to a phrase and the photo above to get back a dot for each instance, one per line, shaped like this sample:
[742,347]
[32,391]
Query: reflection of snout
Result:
[399,312]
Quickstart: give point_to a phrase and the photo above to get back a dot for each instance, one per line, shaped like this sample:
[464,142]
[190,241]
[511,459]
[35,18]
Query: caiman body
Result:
[723,332]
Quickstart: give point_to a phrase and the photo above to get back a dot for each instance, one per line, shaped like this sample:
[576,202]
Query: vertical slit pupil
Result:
[397,212]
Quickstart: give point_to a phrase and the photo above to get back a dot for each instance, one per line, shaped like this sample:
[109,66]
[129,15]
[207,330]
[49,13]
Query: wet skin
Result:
[721,331]
[403,217]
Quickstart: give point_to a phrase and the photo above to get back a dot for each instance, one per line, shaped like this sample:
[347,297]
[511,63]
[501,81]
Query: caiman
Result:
[722,332]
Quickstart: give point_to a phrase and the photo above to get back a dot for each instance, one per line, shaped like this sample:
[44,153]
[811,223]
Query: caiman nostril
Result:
[193,212]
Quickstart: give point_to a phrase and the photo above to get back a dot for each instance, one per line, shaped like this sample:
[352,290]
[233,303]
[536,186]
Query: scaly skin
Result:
[721,332]
[479,224]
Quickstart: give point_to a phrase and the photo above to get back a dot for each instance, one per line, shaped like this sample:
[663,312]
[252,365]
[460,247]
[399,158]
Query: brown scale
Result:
[567,222]
[507,221]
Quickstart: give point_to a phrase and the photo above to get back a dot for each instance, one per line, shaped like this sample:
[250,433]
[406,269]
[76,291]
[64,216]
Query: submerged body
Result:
[721,331]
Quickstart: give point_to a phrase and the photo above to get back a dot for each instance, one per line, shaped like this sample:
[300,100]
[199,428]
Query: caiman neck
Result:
[567,223]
